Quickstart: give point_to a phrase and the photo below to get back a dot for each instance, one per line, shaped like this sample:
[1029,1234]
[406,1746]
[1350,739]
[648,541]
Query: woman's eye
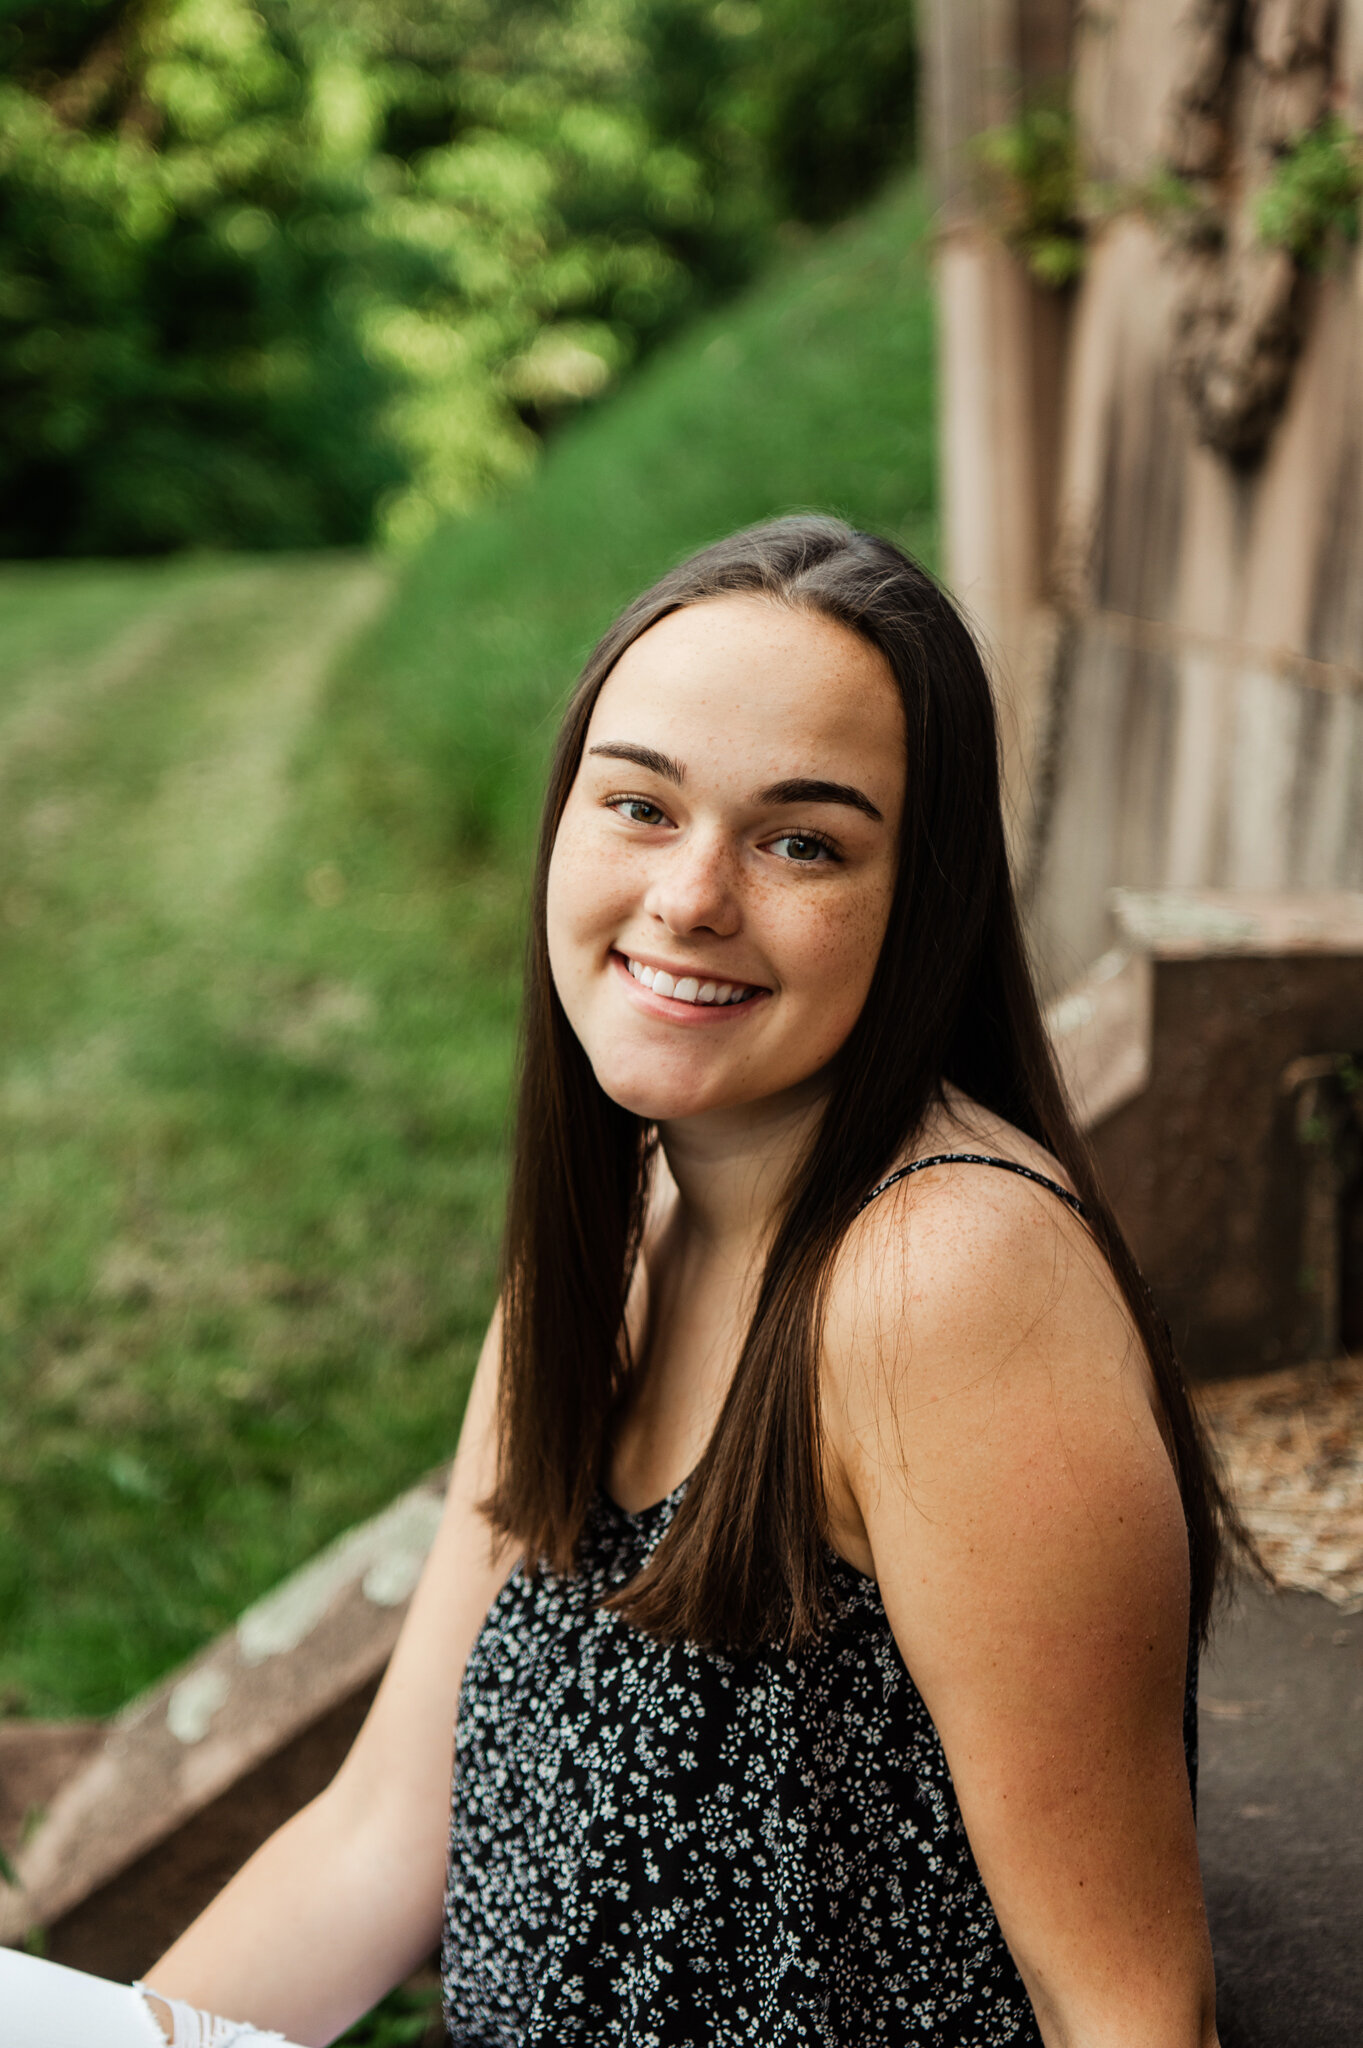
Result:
[638,810]
[800,847]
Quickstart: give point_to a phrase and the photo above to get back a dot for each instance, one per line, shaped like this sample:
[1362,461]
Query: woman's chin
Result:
[659,1099]
[665,1106]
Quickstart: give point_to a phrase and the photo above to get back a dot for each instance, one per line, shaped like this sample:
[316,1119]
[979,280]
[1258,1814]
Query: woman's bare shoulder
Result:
[951,1220]
[956,1124]
[963,1285]
[990,1421]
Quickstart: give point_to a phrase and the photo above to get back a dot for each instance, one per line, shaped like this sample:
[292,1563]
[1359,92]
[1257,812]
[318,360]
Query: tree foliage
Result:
[303,271]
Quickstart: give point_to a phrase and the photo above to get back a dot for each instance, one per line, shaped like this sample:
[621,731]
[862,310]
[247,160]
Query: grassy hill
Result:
[262,842]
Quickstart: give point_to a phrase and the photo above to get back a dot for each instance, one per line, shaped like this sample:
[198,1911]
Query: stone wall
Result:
[1154,480]
[1213,1056]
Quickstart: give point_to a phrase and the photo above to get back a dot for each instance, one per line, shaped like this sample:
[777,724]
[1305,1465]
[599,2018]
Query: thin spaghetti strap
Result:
[976,1159]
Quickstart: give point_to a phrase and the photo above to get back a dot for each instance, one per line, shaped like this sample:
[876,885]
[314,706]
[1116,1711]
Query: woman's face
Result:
[722,875]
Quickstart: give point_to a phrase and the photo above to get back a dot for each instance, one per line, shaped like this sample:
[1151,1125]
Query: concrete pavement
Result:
[1280,1819]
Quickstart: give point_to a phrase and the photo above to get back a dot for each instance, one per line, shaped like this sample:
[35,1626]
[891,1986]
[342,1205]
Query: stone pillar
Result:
[1003,345]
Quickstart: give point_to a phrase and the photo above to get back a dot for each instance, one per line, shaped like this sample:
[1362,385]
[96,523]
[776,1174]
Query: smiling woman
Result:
[720,867]
[819,1591]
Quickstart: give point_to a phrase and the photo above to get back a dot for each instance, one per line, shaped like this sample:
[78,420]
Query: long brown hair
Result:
[951,999]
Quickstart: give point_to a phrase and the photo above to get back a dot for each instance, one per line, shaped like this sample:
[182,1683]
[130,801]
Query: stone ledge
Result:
[1101,1031]
[293,1658]
[1193,924]
[36,1758]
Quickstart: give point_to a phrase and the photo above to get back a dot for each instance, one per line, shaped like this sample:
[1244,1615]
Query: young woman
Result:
[830,1526]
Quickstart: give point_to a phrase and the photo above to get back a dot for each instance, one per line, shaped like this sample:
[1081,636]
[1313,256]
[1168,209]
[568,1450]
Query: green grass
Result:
[261,883]
[408,2018]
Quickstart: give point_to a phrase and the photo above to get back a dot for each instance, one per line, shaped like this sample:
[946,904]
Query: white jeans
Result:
[43,2005]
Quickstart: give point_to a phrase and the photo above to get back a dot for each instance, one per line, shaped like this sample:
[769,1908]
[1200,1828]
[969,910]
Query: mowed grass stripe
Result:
[57,618]
[216,812]
[211,684]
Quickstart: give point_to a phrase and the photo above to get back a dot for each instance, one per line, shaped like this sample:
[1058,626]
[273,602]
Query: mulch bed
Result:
[1291,1447]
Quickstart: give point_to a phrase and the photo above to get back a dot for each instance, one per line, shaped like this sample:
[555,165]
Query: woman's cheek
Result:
[576,872]
[841,961]
[836,944]
[567,899]
[589,899]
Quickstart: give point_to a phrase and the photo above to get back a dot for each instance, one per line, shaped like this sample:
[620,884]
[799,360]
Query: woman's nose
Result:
[694,886]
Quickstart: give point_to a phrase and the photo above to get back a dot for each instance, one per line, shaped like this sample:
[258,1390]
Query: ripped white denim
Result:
[184,2026]
[46,2005]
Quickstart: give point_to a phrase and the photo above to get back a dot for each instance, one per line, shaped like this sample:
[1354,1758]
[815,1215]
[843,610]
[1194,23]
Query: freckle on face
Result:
[743,694]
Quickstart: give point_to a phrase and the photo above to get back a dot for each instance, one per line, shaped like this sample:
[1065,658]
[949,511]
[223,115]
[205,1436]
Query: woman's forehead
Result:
[746,673]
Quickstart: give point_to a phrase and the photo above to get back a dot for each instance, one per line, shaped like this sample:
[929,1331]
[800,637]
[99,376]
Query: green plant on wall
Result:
[1034,196]
[1310,205]
[1032,191]
[1180,209]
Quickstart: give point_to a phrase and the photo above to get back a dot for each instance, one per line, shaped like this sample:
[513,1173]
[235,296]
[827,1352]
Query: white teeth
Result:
[686,988]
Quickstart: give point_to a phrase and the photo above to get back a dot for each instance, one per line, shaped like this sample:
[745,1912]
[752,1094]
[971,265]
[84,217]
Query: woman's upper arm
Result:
[988,1408]
[404,1750]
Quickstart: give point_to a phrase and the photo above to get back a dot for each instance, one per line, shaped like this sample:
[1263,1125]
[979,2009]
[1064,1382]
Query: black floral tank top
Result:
[654,1845]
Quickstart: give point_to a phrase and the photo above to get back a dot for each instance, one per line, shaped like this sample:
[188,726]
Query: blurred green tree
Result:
[306,271]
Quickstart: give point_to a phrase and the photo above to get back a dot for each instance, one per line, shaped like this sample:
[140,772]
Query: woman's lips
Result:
[689,988]
[686,995]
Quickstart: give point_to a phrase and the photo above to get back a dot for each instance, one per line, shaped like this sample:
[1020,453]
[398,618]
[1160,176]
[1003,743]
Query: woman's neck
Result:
[732,1167]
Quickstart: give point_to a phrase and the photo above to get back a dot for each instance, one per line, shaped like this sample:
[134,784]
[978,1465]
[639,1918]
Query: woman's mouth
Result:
[689,988]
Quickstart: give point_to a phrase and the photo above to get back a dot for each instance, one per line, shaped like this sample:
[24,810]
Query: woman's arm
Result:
[996,1458]
[345,1899]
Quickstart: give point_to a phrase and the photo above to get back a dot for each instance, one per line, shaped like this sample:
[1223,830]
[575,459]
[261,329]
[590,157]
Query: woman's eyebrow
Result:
[642,757]
[798,789]
[804,789]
